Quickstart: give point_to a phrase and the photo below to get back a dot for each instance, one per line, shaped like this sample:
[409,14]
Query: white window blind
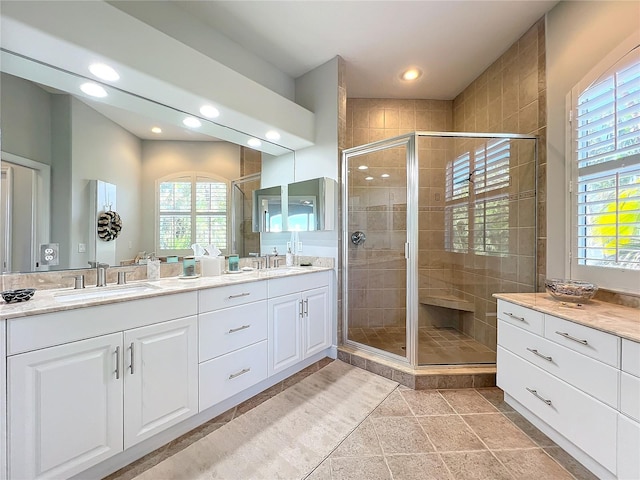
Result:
[192,209]
[477,201]
[607,139]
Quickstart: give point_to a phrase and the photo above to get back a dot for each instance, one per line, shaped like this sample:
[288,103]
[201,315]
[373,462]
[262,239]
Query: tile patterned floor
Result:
[448,434]
[419,434]
[436,346]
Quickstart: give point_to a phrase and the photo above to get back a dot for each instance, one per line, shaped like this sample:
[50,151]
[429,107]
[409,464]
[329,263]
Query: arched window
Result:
[192,208]
[604,185]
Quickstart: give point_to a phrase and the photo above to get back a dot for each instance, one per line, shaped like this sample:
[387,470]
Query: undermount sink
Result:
[104,292]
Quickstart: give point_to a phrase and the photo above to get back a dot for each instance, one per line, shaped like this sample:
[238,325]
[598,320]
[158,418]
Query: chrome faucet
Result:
[101,274]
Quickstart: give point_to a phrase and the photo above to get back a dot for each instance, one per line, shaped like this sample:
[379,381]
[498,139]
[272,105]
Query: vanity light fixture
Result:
[411,74]
[156,130]
[93,89]
[104,72]
[192,122]
[272,135]
[368,178]
[385,175]
[209,111]
[254,142]
[363,167]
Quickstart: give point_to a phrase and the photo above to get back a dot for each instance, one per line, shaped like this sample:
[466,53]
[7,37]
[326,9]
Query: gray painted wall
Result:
[579,35]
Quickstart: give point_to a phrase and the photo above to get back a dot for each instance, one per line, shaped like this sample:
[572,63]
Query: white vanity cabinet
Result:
[300,322]
[629,417]
[571,381]
[72,404]
[3,397]
[233,340]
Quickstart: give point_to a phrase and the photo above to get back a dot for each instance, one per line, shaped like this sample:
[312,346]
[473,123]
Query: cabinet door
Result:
[317,327]
[3,396]
[65,408]
[285,321]
[628,448]
[160,377]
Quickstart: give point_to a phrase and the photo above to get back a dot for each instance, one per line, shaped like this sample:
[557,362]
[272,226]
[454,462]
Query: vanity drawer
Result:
[522,317]
[631,357]
[630,396]
[591,376]
[229,329]
[232,373]
[588,341]
[588,423]
[298,283]
[231,295]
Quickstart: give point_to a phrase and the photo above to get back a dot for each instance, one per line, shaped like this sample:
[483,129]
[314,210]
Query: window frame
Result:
[611,278]
[193,177]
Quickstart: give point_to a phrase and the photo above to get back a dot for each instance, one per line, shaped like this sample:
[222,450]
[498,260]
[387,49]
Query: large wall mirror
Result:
[67,158]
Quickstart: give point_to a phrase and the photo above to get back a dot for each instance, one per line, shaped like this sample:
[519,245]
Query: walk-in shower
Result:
[434,224]
[243,238]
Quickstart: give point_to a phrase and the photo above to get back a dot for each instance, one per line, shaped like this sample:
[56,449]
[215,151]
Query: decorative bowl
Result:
[573,291]
[19,295]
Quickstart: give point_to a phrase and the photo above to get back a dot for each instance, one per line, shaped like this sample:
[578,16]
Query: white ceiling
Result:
[452,42]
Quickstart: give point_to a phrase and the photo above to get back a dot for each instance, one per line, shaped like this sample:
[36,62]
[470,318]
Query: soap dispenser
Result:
[289,257]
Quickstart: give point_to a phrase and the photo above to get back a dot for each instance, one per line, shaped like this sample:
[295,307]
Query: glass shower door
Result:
[375,225]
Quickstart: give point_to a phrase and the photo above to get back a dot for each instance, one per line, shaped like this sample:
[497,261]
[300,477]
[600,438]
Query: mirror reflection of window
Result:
[302,213]
[191,209]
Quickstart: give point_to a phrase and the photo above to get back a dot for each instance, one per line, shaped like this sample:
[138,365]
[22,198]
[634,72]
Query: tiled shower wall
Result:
[508,97]
[377,281]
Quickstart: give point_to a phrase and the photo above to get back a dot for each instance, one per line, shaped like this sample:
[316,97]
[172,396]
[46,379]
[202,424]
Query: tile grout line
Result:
[327,457]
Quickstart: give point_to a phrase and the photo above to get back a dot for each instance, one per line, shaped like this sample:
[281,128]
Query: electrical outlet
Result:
[82,248]
[299,247]
[49,253]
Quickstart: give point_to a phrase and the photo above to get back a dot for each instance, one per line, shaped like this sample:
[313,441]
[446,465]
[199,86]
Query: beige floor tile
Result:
[427,466]
[570,463]
[475,466]
[495,397]
[531,430]
[401,435]
[322,471]
[532,465]
[359,468]
[426,402]
[450,433]
[467,401]
[393,406]
[497,432]
[361,442]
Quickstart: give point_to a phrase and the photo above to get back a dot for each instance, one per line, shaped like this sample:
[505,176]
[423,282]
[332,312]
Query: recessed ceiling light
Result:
[272,135]
[362,167]
[192,122]
[104,72]
[93,89]
[385,175]
[368,178]
[156,130]
[209,111]
[254,142]
[410,74]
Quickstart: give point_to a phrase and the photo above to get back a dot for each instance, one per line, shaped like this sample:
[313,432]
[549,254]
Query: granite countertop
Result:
[44,301]
[608,317]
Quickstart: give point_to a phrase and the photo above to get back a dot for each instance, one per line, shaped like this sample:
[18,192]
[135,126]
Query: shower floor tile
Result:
[436,346]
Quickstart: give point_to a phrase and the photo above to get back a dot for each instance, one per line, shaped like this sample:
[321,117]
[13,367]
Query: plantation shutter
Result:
[607,139]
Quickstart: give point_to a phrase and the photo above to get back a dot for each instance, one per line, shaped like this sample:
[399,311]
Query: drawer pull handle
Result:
[245,294]
[117,352]
[535,352]
[535,394]
[243,327]
[241,372]
[566,335]
[515,316]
